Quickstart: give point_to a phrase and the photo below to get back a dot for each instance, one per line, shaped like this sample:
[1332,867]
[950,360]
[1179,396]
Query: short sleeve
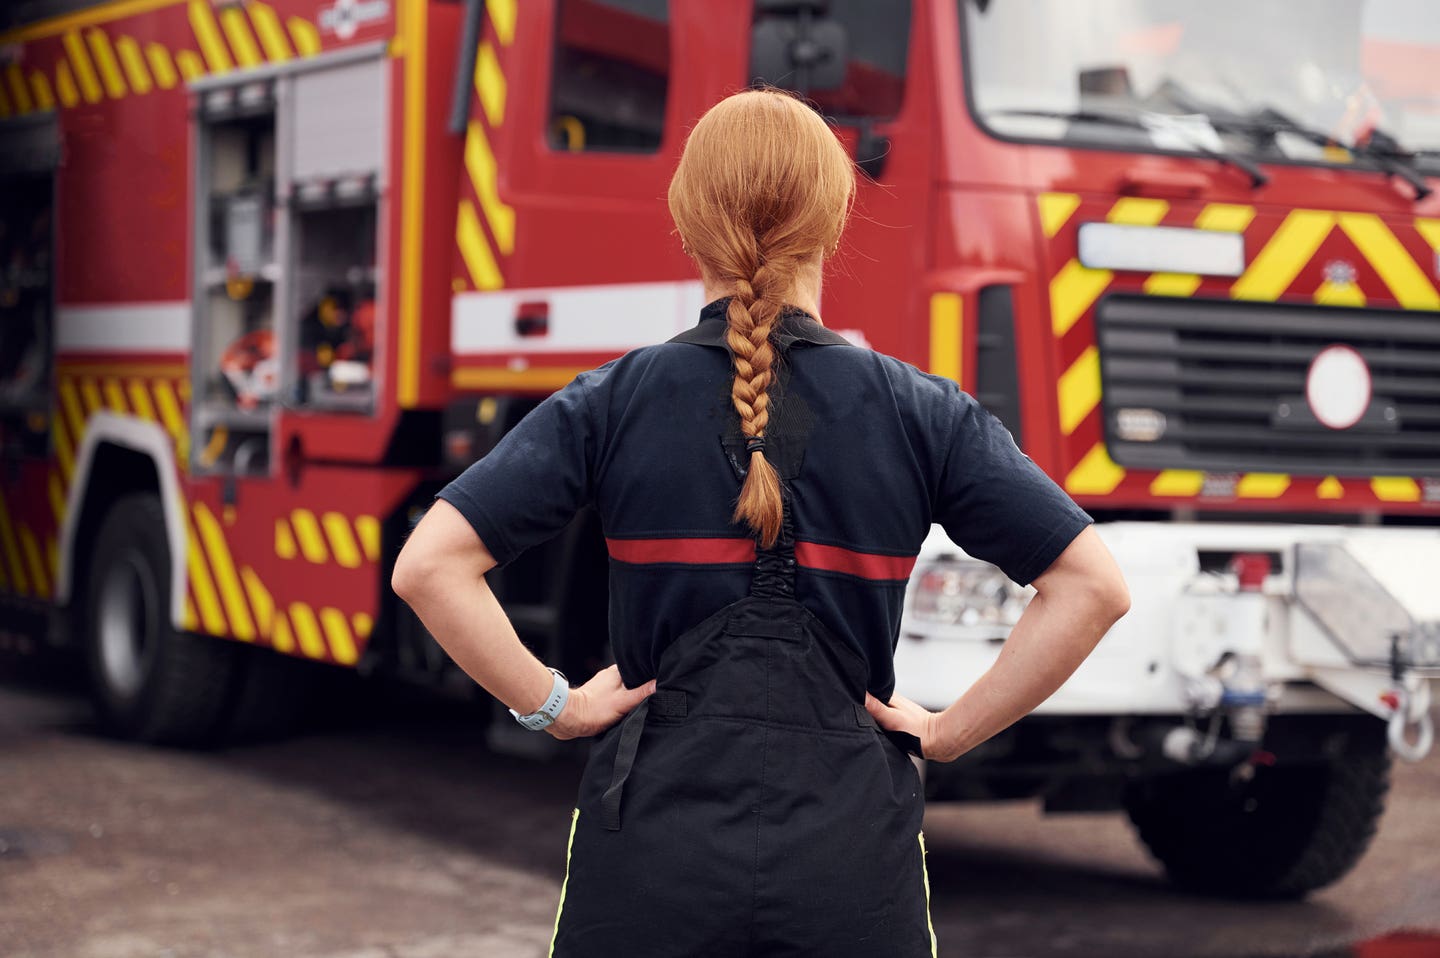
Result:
[995,503]
[537,477]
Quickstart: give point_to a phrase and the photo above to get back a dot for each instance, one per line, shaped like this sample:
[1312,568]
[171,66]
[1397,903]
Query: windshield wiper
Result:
[1258,177]
[1381,148]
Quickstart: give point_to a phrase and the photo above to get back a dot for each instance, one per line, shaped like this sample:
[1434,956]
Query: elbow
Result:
[1114,597]
[409,576]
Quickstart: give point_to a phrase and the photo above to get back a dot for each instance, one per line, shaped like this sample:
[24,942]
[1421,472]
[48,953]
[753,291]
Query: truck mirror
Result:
[798,51]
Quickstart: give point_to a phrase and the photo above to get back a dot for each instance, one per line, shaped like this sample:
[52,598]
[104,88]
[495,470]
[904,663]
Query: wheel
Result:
[149,681]
[1288,831]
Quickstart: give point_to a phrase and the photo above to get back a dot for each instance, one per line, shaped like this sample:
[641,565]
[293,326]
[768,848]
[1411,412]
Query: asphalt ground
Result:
[387,830]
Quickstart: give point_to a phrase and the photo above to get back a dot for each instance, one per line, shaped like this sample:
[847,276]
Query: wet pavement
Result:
[389,831]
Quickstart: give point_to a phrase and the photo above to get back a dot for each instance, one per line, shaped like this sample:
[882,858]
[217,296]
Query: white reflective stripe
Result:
[1161,249]
[134,327]
[610,318]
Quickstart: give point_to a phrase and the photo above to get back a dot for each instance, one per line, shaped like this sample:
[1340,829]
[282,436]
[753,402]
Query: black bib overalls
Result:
[750,806]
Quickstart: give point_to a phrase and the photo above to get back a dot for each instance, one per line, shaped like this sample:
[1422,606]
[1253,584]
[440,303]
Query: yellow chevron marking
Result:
[170,416]
[205,596]
[1171,284]
[484,271]
[1095,474]
[18,89]
[35,563]
[115,396]
[1218,217]
[105,60]
[337,630]
[1339,294]
[1138,211]
[207,34]
[364,624]
[490,84]
[502,14]
[241,625]
[260,601]
[84,72]
[283,640]
[946,335]
[64,451]
[342,539]
[304,35]
[242,41]
[1275,267]
[70,400]
[307,629]
[134,63]
[1383,251]
[1262,485]
[40,84]
[1055,210]
[57,498]
[368,528]
[307,533]
[65,85]
[140,400]
[485,174]
[161,65]
[1079,390]
[272,35]
[19,583]
[1177,482]
[1395,489]
[91,394]
[1429,229]
[1072,291]
[1330,488]
[284,541]
[190,64]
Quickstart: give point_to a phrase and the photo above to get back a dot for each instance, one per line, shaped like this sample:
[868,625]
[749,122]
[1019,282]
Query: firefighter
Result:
[764,487]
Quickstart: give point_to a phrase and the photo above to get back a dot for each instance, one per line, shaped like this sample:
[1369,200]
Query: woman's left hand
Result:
[597,705]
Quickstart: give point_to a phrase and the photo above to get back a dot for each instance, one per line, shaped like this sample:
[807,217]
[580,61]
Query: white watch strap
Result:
[550,710]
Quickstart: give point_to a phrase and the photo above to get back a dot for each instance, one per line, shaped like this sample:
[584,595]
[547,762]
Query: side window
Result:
[612,74]
[874,41]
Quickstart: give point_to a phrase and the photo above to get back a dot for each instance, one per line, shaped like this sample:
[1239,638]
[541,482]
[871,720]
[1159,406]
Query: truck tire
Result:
[272,698]
[150,682]
[1288,831]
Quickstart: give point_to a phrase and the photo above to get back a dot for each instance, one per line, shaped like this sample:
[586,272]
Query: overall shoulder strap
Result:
[773,575]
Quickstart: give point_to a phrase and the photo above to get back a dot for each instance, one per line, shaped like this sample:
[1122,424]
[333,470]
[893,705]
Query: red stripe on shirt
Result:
[687,551]
[866,565]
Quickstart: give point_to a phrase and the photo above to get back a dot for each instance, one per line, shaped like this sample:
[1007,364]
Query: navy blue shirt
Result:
[872,451]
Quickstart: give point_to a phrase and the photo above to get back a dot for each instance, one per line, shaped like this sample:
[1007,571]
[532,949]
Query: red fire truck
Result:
[274,271]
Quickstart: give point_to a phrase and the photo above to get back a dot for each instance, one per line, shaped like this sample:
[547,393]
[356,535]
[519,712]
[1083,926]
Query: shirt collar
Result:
[795,325]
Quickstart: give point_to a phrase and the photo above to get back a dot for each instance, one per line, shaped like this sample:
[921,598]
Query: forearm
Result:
[468,622]
[1046,646]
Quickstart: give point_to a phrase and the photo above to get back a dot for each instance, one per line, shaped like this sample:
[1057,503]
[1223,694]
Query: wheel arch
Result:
[120,455]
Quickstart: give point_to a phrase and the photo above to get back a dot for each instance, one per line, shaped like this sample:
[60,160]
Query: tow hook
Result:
[1410,714]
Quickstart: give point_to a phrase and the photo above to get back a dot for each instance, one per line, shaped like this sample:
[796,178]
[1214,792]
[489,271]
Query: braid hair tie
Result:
[754,444]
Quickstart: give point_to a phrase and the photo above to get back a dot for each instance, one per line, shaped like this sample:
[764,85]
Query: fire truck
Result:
[272,272]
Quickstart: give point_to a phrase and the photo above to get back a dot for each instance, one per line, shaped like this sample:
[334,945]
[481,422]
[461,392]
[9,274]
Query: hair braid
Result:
[754,310]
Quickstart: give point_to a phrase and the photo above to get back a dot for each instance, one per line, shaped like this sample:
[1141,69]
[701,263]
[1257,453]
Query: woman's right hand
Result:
[903,715]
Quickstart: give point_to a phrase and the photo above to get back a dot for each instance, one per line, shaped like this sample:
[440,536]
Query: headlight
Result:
[974,596]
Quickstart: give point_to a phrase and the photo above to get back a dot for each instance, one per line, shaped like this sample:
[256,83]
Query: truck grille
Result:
[1229,379]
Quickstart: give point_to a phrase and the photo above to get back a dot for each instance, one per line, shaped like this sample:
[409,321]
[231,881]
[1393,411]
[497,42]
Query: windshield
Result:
[1273,78]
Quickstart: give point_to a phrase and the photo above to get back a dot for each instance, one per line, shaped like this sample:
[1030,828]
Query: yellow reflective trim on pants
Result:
[1383,251]
[307,533]
[342,540]
[161,65]
[569,845]
[946,328]
[308,630]
[1262,485]
[241,625]
[1055,211]
[929,921]
[490,84]
[337,632]
[1178,482]
[1275,267]
[1079,389]
[1095,474]
[1395,489]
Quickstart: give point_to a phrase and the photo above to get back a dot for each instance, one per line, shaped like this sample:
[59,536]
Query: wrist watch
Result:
[550,710]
